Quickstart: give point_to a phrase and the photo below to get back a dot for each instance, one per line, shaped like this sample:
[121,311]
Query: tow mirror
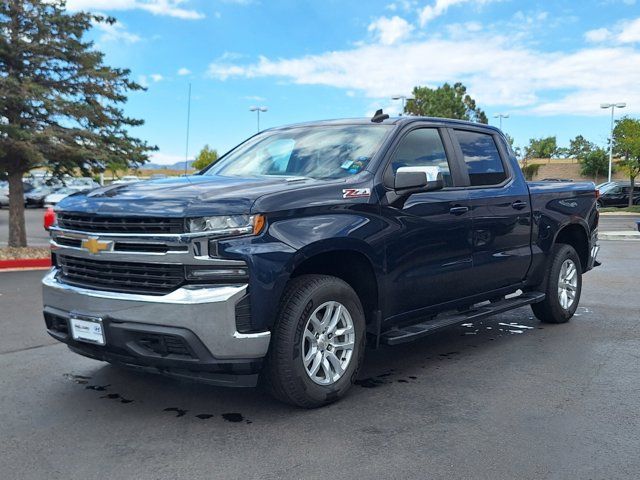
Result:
[418,179]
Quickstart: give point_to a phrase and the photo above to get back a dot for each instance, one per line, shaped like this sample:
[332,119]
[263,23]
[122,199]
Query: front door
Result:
[429,255]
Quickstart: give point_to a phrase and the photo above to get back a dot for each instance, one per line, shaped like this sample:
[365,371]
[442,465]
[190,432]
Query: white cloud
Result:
[597,35]
[439,7]
[255,98]
[497,72]
[115,32]
[627,31]
[630,32]
[170,8]
[184,71]
[390,30]
[156,77]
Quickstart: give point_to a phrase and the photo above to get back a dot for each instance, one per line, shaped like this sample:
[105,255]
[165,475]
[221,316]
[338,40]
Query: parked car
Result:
[307,244]
[157,176]
[4,192]
[35,198]
[58,194]
[126,179]
[616,194]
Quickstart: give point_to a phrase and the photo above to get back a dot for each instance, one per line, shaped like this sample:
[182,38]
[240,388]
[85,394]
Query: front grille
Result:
[107,224]
[144,278]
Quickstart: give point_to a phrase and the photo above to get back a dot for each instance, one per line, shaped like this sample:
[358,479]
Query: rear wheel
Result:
[562,286]
[318,342]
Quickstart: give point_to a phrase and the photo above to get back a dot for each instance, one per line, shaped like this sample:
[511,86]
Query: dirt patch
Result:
[17,253]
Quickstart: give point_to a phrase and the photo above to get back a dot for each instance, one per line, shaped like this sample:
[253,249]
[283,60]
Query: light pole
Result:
[404,99]
[258,110]
[612,106]
[501,116]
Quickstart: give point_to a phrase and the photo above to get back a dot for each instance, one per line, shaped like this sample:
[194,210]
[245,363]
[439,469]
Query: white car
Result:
[126,179]
[56,196]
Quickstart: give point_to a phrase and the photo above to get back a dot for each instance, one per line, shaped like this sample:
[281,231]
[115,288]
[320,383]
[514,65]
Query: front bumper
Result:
[189,332]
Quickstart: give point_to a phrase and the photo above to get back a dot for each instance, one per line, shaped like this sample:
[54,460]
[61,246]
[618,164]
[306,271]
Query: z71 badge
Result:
[356,192]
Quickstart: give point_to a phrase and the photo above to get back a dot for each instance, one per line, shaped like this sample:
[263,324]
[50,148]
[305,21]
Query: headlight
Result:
[228,225]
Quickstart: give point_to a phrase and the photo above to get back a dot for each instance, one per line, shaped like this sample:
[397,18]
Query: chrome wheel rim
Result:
[567,284]
[327,343]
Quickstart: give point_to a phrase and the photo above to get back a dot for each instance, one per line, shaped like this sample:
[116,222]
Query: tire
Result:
[559,307]
[286,374]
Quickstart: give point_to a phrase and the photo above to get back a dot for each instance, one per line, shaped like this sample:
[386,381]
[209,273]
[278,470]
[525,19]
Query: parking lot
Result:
[36,234]
[502,399]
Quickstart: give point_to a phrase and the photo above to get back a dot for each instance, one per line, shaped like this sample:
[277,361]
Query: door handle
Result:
[519,205]
[458,210]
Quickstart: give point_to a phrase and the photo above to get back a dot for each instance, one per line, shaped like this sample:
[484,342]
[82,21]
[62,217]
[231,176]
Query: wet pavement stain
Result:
[369,382]
[97,388]
[233,417]
[204,416]
[116,396]
[179,412]
[402,380]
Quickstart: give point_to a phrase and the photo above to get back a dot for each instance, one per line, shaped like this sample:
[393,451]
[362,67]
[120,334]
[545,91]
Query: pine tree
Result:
[60,105]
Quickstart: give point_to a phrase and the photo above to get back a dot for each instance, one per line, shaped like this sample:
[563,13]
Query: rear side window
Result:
[422,148]
[481,157]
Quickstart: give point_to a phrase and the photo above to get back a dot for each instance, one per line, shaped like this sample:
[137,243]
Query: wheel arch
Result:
[350,264]
[576,235]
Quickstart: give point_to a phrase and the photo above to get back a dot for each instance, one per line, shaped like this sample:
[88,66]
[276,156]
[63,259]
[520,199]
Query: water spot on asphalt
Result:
[204,416]
[402,380]
[97,388]
[125,400]
[446,355]
[111,396]
[413,377]
[369,382]
[233,417]
[388,374]
[179,412]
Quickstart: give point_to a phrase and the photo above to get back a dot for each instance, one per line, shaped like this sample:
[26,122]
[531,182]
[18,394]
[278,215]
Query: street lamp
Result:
[612,106]
[258,110]
[501,116]
[404,99]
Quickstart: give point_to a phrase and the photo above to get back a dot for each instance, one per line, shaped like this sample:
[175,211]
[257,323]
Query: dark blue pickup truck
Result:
[305,243]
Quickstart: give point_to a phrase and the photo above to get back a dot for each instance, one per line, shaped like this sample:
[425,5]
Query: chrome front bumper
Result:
[207,312]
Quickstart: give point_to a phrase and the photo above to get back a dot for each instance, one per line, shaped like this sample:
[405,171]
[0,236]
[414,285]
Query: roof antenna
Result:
[379,116]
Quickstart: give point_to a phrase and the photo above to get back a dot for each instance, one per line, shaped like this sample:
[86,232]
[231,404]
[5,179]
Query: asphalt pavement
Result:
[37,236]
[504,398]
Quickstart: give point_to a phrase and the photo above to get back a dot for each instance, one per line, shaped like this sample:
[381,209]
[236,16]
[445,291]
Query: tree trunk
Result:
[17,230]
[633,184]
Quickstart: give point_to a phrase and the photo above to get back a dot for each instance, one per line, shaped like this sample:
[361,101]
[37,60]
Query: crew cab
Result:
[308,243]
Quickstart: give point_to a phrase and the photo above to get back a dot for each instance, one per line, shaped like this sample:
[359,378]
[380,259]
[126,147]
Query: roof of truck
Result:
[390,121]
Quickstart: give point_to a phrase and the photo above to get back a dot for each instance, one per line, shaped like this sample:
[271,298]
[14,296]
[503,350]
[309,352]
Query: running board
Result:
[419,330]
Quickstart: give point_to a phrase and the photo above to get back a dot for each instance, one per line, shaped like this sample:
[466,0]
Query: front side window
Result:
[482,158]
[321,152]
[422,148]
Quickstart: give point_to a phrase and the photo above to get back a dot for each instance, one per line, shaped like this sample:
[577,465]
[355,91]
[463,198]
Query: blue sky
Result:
[548,65]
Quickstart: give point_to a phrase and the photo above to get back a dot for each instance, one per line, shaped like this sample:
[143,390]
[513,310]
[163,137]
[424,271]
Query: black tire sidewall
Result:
[329,289]
[563,253]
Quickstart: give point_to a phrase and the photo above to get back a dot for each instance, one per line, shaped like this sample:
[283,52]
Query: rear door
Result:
[500,211]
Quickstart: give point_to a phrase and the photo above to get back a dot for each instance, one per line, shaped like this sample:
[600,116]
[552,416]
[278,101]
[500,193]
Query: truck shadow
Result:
[385,370]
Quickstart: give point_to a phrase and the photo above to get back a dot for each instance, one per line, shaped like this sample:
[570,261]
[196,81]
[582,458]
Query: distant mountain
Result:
[173,166]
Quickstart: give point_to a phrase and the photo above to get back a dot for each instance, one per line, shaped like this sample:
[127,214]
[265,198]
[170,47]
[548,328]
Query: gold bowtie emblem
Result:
[93,245]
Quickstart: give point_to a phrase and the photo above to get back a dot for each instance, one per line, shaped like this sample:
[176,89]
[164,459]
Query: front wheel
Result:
[318,342]
[563,280]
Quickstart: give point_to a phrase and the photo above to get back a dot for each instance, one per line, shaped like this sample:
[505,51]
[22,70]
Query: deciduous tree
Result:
[206,157]
[446,101]
[626,144]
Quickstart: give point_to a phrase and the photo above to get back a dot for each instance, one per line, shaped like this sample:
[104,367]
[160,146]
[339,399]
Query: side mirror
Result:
[418,179]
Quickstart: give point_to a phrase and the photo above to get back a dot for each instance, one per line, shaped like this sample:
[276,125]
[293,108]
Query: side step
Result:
[419,330]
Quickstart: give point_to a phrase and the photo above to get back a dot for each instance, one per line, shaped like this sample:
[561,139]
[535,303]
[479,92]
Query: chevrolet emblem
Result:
[94,246]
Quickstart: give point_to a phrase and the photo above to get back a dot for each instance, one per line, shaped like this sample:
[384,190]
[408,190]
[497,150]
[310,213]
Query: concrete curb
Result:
[23,263]
[624,235]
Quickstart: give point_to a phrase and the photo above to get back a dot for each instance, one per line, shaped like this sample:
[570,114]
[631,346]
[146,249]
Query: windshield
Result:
[314,152]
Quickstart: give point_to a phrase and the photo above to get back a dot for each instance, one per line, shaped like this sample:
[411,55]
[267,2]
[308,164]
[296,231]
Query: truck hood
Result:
[190,196]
